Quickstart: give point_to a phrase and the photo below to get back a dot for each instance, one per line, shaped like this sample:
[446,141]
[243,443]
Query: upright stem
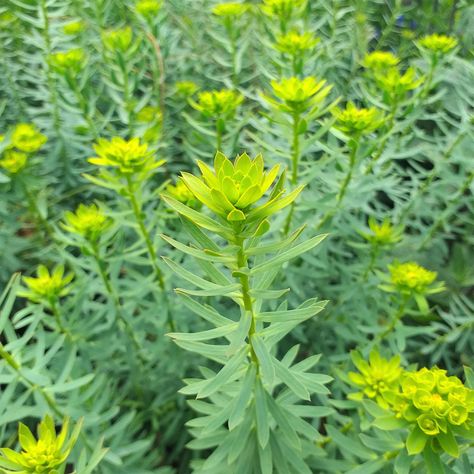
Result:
[352,161]
[53,305]
[396,318]
[218,137]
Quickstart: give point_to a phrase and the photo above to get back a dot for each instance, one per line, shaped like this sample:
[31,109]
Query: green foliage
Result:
[111,114]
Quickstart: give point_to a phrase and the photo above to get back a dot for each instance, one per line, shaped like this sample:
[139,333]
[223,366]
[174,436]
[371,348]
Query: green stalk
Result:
[396,318]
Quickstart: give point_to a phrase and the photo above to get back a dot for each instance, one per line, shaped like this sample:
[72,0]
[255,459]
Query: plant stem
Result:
[354,145]
[396,318]
[53,305]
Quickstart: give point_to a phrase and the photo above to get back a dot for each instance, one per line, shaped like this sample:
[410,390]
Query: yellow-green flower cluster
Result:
[148,7]
[230,9]
[24,140]
[127,156]
[395,84]
[231,188]
[383,234]
[74,27]
[298,95]
[45,455]
[295,43]
[218,104]
[182,193]
[282,9]
[186,88]
[356,122]
[434,407]
[46,286]
[118,40]
[149,114]
[375,377]
[438,44]
[71,61]
[87,221]
[379,61]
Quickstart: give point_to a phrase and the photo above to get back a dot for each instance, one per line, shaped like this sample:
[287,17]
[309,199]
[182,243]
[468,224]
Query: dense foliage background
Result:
[137,71]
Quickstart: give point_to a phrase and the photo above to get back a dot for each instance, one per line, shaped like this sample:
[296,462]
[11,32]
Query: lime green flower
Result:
[149,114]
[375,377]
[47,287]
[438,44]
[218,104]
[13,161]
[148,7]
[356,122]
[231,188]
[282,9]
[379,61]
[457,415]
[118,40]
[74,28]
[182,193]
[128,156]
[428,424]
[87,221]
[230,9]
[298,95]
[384,234]
[71,61]
[186,88]
[45,455]
[295,43]
[395,84]
[410,277]
[26,137]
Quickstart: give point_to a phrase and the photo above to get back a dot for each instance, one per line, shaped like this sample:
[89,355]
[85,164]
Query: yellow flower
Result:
[149,114]
[68,61]
[428,424]
[231,188]
[26,137]
[181,193]
[395,84]
[411,277]
[186,88]
[74,28]
[87,221]
[355,121]
[44,455]
[380,60]
[375,377]
[222,103]
[441,44]
[118,40]
[13,161]
[230,9]
[296,43]
[148,7]
[298,95]
[282,8]
[384,233]
[128,156]
[45,286]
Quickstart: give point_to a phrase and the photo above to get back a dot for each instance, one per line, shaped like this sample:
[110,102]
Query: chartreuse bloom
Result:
[71,61]
[148,7]
[436,408]
[118,40]
[299,95]
[87,221]
[231,189]
[149,114]
[230,9]
[27,138]
[384,234]
[354,121]
[47,287]
[47,454]
[13,161]
[186,88]
[375,377]
[282,9]
[438,44]
[378,61]
[218,104]
[395,84]
[182,193]
[74,27]
[126,156]
[294,43]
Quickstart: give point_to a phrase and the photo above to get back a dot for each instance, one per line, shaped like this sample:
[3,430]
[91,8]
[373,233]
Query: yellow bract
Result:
[68,61]
[384,233]
[355,121]
[26,137]
[148,7]
[74,28]
[118,40]
[296,43]
[46,286]
[411,276]
[380,60]
[127,156]
[186,88]
[181,193]
[438,43]
[87,221]
[44,455]
[13,161]
[282,8]
[231,188]
[219,104]
[230,9]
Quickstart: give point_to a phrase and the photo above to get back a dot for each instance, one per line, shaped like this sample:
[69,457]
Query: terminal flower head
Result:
[27,138]
[87,221]
[378,61]
[218,104]
[438,44]
[354,121]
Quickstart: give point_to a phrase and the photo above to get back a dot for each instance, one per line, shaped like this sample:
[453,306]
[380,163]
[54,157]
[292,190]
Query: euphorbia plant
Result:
[252,416]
